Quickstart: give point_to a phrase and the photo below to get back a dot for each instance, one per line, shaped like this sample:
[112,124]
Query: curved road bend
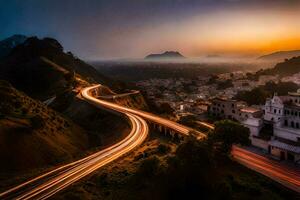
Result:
[51,182]
[86,93]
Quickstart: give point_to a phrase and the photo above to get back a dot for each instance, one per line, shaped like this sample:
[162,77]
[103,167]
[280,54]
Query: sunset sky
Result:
[96,29]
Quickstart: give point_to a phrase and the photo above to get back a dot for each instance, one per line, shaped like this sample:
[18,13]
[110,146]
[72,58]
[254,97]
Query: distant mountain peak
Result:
[166,55]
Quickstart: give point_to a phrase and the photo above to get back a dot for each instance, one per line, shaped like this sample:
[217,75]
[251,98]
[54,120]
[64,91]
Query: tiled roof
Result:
[250,110]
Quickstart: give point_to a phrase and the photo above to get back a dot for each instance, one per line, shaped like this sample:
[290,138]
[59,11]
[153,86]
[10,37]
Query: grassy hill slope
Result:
[33,135]
[286,68]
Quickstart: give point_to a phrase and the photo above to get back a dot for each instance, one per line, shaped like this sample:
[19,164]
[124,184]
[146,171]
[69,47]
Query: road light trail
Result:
[287,176]
[145,115]
[51,182]
[281,173]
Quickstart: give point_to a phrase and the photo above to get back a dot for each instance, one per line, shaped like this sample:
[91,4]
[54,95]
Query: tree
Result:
[222,85]
[37,122]
[149,167]
[257,96]
[166,108]
[227,133]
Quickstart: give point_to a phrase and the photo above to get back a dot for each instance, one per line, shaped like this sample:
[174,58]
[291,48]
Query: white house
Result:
[284,113]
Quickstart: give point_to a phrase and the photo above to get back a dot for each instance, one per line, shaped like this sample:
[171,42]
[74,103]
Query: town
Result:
[274,125]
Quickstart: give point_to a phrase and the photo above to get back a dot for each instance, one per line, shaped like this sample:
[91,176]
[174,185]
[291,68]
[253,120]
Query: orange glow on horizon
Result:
[235,32]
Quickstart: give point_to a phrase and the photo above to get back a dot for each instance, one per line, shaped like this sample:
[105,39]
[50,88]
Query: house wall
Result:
[287,133]
[259,143]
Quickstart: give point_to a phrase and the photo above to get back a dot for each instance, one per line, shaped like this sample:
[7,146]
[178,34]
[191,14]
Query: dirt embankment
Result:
[131,99]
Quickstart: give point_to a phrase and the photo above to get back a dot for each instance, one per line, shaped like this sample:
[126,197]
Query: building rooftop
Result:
[250,110]
[285,146]
[297,94]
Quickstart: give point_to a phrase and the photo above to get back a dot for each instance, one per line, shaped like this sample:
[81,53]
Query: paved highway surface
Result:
[280,172]
[145,115]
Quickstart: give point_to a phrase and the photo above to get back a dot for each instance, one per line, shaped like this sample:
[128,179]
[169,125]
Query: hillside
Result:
[286,68]
[131,99]
[8,44]
[280,55]
[41,68]
[166,55]
[33,134]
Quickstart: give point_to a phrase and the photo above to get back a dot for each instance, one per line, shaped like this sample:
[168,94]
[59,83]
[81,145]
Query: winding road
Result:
[51,182]
[54,181]
[145,115]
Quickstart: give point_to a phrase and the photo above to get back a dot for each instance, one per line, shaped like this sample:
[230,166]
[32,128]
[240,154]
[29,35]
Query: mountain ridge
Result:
[280,55]
[166,55]
[286,68]
[9,43]
[39,68]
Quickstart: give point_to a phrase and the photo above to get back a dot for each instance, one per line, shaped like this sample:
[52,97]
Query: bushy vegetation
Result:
[197,169]
[258,95]
[286,68]
[222,85]
[226,133]
[194,170]
[28,127]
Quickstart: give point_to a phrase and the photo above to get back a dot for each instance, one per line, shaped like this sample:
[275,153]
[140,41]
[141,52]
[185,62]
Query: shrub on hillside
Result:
[37,122]
[226,133]
[149,167]
[163,149]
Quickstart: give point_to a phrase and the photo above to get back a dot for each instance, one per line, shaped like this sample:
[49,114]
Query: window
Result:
[275,111]
[286,122]
[292,124]
[233,111]
[297,125]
